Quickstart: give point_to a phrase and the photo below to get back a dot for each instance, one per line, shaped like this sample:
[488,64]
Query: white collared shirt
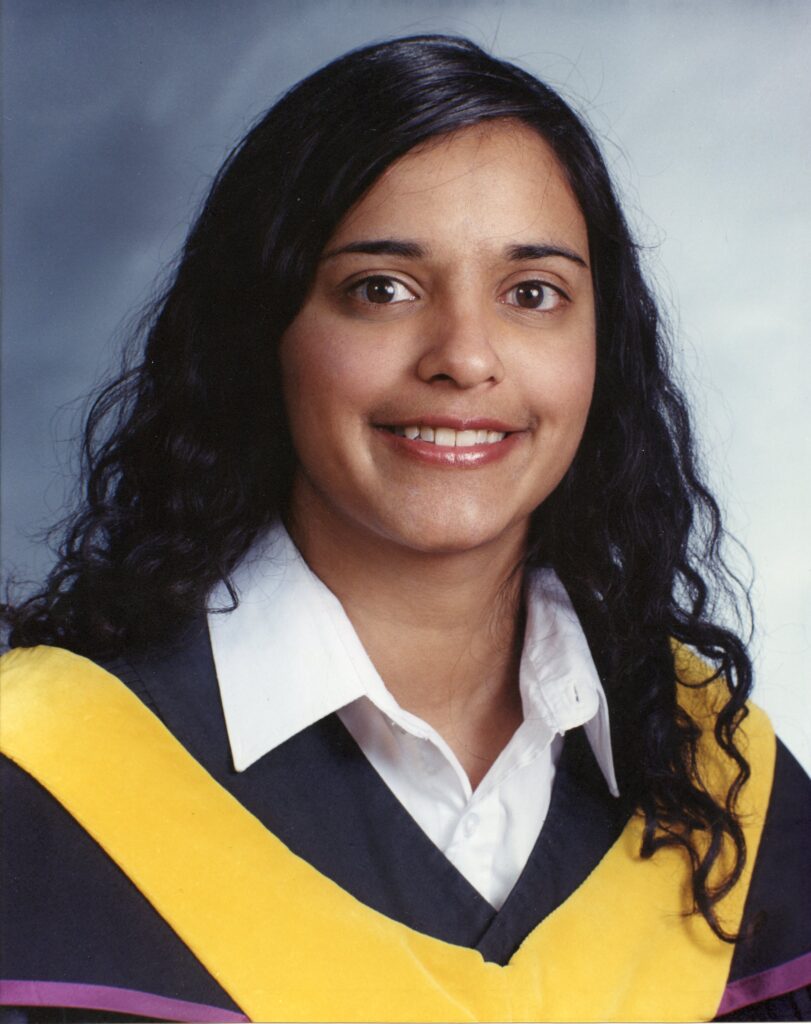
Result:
[288,656]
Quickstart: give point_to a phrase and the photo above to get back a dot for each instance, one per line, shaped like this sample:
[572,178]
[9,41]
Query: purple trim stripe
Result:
[788,977]
[116,1000]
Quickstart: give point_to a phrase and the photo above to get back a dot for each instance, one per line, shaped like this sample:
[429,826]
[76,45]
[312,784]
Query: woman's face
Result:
[438,377]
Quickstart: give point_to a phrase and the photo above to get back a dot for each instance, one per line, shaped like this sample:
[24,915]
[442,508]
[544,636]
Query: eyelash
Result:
[386,280]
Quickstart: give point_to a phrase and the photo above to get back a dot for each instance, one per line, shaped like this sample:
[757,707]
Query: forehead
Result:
[488,184]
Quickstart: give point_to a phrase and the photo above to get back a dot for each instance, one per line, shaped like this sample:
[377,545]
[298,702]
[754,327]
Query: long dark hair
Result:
[187,457]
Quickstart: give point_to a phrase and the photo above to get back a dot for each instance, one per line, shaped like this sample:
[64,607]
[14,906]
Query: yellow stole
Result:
[289,944]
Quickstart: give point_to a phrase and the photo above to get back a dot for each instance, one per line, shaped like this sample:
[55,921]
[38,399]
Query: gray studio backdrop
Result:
[118,112]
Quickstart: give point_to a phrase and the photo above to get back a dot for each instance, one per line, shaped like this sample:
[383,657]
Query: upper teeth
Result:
[450,438]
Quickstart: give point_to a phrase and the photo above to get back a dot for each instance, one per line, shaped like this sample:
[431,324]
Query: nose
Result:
[461,350]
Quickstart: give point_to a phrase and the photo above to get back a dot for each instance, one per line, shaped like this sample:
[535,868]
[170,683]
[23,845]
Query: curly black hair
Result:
[187,456]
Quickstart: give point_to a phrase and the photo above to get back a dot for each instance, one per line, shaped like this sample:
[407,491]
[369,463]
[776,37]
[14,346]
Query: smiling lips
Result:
[464,446]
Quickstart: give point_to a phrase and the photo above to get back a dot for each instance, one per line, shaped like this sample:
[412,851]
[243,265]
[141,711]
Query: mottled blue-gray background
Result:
[116,113]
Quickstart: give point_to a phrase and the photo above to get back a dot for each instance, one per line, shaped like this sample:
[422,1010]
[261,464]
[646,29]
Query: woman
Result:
[397,530]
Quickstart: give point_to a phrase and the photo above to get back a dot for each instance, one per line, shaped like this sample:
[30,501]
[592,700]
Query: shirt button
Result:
[470,824]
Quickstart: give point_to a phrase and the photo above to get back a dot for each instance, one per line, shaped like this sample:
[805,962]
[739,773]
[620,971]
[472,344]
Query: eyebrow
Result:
[415,251]
[380,247]
[539,252]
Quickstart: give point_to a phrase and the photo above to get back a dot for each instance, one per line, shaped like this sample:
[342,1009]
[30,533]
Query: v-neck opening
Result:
[420,870]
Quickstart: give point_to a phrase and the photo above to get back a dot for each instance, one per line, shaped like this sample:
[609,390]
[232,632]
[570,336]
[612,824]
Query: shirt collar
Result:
[288,655]
[559,681]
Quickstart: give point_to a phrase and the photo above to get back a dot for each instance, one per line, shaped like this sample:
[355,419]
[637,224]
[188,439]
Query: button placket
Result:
[470,824]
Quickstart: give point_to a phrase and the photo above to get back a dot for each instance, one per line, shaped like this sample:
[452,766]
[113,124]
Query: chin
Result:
[453,534]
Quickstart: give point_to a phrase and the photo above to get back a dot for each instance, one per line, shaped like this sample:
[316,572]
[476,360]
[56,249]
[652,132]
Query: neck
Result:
[444,630]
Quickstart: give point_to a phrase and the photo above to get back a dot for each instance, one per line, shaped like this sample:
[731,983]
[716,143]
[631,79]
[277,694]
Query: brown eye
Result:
[534,295]
[381,291]
[529,295]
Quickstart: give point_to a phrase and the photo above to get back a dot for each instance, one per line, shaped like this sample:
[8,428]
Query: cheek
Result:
[562,384]
[575,384]
[331,371]
[309,363]
[331,383]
